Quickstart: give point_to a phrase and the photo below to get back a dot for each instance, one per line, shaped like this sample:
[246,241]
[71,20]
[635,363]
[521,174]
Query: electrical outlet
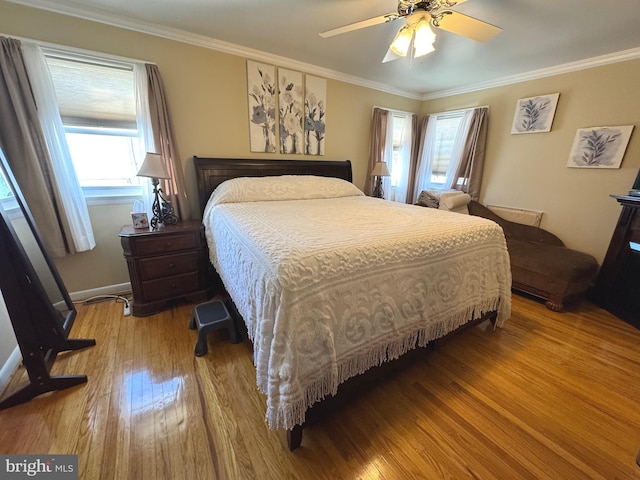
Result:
[127,309]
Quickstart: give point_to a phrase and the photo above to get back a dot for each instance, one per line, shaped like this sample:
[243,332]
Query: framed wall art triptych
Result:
[287,110]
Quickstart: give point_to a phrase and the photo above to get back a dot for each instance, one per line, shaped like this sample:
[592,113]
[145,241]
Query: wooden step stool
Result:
[208,317]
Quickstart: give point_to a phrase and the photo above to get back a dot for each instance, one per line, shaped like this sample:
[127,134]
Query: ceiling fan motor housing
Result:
[406,8]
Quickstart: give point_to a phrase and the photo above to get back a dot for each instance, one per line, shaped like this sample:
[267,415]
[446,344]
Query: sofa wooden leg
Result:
[554,306]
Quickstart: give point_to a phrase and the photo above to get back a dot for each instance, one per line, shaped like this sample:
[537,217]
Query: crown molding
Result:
[182,36]
[253,54]
[616,57]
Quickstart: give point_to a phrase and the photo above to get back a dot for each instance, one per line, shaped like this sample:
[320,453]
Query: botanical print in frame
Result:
[290,96]
[534,114]
[261,89]
[599,147]
[315,104]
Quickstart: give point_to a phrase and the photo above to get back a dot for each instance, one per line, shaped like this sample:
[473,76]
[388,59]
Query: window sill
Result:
[111,195]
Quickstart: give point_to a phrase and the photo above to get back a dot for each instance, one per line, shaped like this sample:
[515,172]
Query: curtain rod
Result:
[79,51]
[460,109]
[393,110]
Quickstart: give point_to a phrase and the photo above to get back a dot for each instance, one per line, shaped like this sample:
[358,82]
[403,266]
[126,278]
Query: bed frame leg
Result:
[294,437]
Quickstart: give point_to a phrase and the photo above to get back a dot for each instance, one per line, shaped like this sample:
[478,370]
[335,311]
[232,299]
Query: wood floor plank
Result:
[549,396]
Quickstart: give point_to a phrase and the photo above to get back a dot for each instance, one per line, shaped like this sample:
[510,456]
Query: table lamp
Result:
[379,170]
[153,167]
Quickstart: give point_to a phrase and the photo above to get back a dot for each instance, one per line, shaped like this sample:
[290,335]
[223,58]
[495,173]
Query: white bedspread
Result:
[330,287]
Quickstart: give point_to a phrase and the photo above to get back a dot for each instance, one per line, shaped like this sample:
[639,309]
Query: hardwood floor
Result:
[549,396]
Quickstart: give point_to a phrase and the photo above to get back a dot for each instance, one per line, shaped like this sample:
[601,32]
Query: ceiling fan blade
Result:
[389,17]
[390,56]
[461,24]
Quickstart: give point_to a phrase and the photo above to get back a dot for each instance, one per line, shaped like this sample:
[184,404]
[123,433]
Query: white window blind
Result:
[93,93]
[96,99]
[445,135]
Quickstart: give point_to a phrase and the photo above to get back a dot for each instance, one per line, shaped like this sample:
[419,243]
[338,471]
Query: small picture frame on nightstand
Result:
[140,220]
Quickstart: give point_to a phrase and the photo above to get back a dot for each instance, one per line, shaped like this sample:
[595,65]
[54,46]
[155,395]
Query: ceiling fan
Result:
[417,33]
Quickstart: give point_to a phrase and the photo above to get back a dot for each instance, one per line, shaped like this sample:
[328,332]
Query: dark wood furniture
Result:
[541,264]
[211,172]
[617,288]
[39,306]
[168,263]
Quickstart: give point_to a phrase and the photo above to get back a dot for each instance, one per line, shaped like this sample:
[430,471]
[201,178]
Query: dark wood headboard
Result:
[211,172]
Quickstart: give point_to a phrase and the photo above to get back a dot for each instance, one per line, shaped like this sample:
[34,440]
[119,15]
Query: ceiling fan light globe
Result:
[424,35]
[424,50]
[402,41]
[423,39]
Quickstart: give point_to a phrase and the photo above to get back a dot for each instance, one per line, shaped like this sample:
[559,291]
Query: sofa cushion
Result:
[551,260]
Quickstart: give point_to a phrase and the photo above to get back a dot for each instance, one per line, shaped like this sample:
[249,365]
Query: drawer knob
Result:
[172,265]
[168,244]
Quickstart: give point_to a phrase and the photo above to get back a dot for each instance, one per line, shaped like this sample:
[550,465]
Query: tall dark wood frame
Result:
[38,303]
[617,288]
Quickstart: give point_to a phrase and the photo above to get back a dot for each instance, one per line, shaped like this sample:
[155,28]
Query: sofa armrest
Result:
[531,234]
[513,230]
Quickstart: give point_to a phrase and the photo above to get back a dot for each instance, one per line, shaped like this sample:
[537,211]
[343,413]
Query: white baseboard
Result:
[9,368]
[93,292]
[10,365]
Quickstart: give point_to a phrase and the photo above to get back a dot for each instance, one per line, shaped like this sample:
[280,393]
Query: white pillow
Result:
[285,187]
[455,200]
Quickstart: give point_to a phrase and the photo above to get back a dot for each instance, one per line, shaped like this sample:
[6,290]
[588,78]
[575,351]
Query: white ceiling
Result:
[538,37]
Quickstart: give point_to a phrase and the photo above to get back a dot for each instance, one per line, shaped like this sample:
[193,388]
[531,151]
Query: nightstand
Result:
[165,264]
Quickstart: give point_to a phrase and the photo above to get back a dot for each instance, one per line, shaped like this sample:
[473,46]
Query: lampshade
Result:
[419,34]
[423,39]
[153,167]
[402,41]
[380,170]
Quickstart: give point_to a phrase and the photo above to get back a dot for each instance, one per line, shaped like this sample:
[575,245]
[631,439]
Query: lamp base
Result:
[162,209]
[378,192]
[163,215]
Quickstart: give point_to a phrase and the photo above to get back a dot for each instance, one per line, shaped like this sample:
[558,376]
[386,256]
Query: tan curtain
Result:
[472,163]
[413,162]
[174,188]
[421,132]
[376,149]
[24,146]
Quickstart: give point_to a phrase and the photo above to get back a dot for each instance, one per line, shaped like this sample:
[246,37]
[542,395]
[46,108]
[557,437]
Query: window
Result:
[7,200]
[97,105]
[444,140]
[446,130]
[5,191]
[398,155]
[396,162]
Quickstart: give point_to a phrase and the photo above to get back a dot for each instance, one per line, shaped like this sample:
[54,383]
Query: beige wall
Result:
[206,91]
[208,105]
[530,171]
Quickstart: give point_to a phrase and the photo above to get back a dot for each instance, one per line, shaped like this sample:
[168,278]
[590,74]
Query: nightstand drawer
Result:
[167,265]
[166,244]
[169,287]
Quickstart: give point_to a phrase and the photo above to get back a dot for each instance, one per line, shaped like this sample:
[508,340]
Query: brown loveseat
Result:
[540,263]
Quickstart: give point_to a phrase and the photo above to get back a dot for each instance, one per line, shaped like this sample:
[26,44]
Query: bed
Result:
[331,284]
